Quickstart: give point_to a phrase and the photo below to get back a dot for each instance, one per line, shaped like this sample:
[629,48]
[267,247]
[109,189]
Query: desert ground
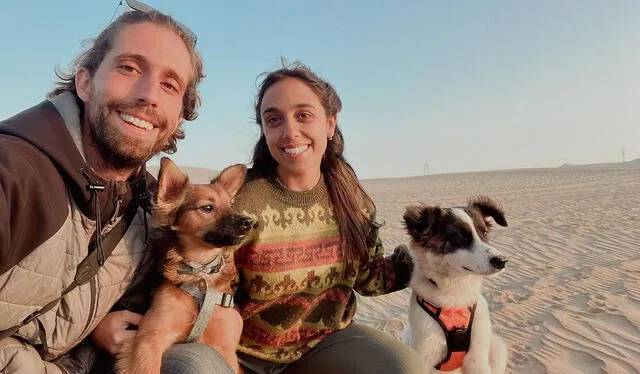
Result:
[569,298]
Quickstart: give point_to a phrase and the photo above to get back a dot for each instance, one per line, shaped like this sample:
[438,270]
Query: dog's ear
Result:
[171,181]
[420,219]
[232,178]
[489,208]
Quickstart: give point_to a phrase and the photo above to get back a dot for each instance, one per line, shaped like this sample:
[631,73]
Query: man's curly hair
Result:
[93,57]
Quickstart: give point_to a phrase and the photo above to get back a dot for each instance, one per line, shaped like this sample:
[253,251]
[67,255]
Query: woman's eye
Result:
[207,208]
[272,121]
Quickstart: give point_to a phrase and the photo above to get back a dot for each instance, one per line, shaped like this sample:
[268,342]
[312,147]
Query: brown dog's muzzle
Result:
[245,223]
[229,230]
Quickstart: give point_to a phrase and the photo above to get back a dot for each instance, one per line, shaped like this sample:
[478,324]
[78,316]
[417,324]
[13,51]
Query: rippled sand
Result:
[569,299]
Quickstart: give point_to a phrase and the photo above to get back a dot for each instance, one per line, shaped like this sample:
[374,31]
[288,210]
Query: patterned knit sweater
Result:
[293,289]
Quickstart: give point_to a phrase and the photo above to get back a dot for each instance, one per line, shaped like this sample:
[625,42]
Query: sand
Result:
[569,298]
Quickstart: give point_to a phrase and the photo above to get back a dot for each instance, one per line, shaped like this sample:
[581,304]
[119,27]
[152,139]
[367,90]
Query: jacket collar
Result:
[54,128]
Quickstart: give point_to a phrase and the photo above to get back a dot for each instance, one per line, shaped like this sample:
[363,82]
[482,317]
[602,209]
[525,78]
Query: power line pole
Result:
[426,168]
[623,158]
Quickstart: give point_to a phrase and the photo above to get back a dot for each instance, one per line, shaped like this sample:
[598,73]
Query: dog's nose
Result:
[245,222]
[498,262]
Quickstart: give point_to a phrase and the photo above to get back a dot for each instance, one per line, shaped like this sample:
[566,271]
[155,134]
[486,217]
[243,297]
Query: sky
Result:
[458,85]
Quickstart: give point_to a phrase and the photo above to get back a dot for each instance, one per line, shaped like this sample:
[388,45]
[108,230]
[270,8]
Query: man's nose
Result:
[148,90]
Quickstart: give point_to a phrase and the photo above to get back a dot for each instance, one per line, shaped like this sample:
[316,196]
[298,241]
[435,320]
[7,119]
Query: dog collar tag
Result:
[214,265]
[211,267]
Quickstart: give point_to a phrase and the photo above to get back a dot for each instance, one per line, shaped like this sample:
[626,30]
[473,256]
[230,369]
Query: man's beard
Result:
[116,149]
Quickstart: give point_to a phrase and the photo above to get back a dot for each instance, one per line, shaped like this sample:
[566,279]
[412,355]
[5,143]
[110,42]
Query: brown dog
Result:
[197,234]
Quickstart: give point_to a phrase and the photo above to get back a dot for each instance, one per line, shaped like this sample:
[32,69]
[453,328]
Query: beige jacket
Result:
[46,233]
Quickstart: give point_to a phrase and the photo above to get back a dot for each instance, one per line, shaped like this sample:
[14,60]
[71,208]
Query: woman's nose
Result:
[291,129]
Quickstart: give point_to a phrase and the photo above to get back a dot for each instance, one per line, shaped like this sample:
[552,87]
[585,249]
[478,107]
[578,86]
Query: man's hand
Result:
[111,333]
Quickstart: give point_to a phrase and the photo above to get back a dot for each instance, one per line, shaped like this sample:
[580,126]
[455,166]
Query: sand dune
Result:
[633,164]
[569,299]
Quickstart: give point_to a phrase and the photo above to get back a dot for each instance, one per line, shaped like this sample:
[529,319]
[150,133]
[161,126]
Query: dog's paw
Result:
[123,364]
[124,359]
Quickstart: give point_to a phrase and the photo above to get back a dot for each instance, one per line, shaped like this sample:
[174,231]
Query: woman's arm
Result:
[380,275]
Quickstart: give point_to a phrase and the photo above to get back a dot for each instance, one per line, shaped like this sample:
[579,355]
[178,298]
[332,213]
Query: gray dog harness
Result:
[206,296]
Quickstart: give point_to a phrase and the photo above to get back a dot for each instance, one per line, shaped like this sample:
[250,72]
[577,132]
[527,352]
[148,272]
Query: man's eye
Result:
[304,115]
[207,208]
[127,68]
[171,86]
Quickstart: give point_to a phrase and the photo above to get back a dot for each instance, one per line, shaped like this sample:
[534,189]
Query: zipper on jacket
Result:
[93,188]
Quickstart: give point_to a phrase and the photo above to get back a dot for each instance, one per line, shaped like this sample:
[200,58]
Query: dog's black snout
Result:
[498,262]
[245,222]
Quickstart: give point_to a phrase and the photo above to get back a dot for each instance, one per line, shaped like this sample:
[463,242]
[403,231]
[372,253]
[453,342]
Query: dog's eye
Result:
[207,208]
[459,239]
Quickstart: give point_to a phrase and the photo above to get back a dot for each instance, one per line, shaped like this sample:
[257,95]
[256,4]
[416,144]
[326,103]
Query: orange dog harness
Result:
[456,324]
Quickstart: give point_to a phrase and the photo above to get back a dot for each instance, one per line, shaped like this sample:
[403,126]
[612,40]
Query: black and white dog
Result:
[449,322]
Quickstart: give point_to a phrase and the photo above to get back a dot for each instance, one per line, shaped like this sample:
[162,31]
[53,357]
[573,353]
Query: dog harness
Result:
[456,325]
[206,296]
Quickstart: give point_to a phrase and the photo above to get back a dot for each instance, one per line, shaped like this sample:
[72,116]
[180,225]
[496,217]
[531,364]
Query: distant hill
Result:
[633,164]
[204,175]
[196,175]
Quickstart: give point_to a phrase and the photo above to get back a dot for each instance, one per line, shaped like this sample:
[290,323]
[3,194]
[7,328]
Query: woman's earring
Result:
[330,138]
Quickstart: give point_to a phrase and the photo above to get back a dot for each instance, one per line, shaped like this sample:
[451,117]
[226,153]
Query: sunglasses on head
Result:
[144,8]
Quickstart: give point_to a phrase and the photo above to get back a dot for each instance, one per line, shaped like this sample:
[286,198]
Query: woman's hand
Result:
[111,333]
